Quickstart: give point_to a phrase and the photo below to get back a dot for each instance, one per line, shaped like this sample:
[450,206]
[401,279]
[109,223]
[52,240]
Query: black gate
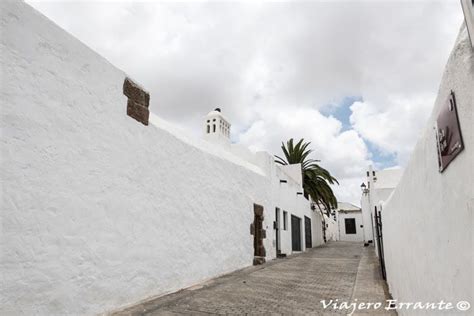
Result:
[295,233]
[307,233]
[378,231]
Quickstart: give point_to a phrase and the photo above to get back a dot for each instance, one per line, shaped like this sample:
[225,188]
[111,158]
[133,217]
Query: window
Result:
[285,220]
[350,225]
[208,129]
[214,128]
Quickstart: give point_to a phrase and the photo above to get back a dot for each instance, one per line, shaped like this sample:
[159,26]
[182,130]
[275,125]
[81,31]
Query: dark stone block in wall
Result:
[136,93]
[138,112]
[258,209]
[258,260]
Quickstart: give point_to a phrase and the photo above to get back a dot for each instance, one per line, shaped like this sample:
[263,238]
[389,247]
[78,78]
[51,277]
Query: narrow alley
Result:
[342,271]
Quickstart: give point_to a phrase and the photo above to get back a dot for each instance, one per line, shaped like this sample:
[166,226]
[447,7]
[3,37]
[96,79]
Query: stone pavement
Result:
[342,271]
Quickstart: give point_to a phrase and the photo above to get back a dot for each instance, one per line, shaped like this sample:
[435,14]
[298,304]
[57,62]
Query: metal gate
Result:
[379,236]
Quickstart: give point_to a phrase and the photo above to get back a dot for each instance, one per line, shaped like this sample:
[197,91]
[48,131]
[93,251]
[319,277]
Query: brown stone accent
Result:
[136,93]
[258,260]
[258,209]
[259,233]
[138,101]
[138,112]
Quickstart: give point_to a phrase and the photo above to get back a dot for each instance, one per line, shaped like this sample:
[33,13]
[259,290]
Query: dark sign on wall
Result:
[448,133]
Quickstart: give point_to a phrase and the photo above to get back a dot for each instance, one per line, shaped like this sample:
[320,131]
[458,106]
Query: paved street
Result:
[344,271]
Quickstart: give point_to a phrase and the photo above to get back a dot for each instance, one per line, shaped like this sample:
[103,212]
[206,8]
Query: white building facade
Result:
[332,229]
[217,127]
[100,207]
[376,189]
[350,224]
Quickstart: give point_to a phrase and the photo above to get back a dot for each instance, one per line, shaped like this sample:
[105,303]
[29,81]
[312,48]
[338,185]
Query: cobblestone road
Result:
[295,285]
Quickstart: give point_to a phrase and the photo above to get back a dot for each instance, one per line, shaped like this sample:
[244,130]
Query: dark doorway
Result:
[258,235]
[307,233]
[295,233]
[350,225]
[277,230]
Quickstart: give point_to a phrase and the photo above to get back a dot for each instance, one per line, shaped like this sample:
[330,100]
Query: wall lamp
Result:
[283,181]
[364,189]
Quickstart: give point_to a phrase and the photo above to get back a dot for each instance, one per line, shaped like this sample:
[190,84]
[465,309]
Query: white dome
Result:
[214,113]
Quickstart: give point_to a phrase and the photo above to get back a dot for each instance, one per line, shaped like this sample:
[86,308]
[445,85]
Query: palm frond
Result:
[317,181]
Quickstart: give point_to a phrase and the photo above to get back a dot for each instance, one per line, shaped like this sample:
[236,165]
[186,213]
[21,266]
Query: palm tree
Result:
[316,180]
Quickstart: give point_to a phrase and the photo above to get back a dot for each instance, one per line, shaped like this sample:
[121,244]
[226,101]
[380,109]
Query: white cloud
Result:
[344,153]
[271,65]
[395,127]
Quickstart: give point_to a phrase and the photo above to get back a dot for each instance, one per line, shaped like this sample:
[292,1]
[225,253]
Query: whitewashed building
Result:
[217,127]
[376,189]
[104,201]
[350,224]
[332,229]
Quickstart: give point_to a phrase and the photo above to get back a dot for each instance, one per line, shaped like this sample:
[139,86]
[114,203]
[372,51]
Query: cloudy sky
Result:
[356,78]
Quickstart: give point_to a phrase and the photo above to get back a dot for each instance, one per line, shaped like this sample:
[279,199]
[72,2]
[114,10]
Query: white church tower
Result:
[216,127]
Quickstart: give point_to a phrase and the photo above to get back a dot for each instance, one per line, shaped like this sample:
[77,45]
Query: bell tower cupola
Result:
[216,127]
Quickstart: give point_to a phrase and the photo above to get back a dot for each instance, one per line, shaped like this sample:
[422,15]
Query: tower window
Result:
[214,128]
[208,128]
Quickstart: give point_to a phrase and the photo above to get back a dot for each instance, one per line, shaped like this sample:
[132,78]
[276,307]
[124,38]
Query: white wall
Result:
[367,216]
[318,238]
[286,198]
[359,235]
[98,210]
[380,185]
[428,221]
[332,229]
